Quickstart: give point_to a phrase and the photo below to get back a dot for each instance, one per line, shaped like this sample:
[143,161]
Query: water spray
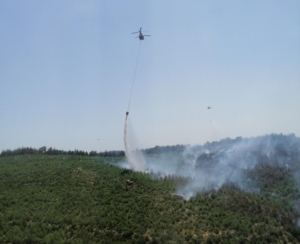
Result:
[209,108]
[126,143]
[135,158]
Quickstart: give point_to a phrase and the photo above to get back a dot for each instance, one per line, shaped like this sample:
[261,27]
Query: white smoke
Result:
[215,164]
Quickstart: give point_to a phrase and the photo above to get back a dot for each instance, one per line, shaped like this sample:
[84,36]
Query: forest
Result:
[71,198]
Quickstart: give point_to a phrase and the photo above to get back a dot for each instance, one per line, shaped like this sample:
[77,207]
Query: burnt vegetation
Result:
[82,198]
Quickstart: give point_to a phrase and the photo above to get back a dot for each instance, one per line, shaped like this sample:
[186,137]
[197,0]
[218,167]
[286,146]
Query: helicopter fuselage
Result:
[141,37]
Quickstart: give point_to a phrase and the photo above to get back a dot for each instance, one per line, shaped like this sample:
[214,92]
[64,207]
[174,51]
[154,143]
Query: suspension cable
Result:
[134,77]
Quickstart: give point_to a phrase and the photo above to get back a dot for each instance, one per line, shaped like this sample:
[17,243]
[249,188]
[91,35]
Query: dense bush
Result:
[79,199]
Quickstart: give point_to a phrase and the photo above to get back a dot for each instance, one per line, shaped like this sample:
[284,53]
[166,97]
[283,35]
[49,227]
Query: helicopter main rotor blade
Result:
[146,35]
[134,32]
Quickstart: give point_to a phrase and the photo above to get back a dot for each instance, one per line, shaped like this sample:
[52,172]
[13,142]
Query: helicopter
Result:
[140,36]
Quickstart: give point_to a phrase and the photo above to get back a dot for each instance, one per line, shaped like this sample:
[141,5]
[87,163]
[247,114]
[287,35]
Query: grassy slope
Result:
[73,199]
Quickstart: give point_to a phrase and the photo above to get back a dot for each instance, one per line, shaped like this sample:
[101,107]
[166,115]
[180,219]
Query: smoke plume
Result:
[212,165]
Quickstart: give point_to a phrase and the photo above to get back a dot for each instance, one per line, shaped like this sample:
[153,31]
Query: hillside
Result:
[84,199]
[266,164]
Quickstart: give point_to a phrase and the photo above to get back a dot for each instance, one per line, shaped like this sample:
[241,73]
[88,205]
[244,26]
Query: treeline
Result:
[278,144]
[53,151]
[114,153]
[164,149]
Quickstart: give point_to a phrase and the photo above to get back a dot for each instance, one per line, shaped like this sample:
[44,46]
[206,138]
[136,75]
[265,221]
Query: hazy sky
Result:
[66,70]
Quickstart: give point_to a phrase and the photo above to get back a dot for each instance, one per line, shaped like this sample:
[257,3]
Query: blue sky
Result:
[66,70]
